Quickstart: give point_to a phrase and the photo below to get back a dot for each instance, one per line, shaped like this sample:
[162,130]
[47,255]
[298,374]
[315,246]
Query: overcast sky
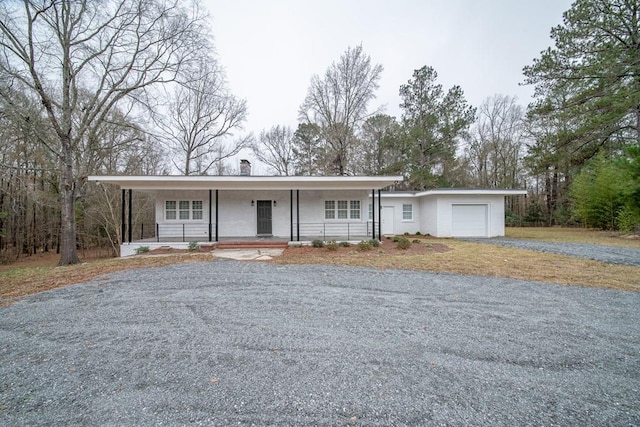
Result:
[270,49]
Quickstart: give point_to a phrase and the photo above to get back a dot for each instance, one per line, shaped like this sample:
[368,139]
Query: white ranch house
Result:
[299,209]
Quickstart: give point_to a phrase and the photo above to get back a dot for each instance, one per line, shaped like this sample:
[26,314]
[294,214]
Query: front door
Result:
[264,218]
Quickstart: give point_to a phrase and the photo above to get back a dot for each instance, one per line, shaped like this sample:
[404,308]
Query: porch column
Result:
[216,215]
[209,215]
[291,212]
[130,230]
[298,213]
[379,216]
[124,218]
[373,213]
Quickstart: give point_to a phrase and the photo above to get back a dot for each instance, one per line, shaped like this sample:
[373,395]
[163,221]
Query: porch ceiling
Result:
[172,182]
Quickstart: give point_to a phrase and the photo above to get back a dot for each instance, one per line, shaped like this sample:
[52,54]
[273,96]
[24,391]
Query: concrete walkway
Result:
[248,254]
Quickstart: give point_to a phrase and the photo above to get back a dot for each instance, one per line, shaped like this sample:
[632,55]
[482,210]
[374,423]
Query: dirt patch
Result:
[163,250]
[386,248]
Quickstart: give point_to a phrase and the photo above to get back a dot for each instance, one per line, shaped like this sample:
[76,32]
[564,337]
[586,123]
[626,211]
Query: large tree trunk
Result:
[68,249]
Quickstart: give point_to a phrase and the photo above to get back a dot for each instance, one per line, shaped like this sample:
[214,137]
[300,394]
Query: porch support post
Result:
[210,215]
[124,218]
[379,216]
[216,215]
[130,230]
[298,213]
[373,213]
[291,212]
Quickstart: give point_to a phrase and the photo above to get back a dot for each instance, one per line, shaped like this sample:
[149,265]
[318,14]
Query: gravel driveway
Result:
[608,254]
[251,343]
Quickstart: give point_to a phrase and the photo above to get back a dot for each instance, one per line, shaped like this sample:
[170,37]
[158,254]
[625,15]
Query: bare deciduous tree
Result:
[496,145]
[58,50]
[338,102]
[275,148]
[200,118]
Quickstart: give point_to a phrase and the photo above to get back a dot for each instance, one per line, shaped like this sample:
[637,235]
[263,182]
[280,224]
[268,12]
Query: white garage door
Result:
[469,220]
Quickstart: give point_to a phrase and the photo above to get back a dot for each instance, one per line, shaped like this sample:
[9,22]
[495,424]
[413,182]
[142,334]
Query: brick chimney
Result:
[245,168]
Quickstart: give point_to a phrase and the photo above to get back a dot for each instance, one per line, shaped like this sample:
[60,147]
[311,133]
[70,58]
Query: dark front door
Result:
[264,217]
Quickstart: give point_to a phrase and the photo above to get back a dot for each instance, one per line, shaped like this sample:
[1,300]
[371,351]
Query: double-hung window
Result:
[184,210]
[170,209]
[196,209]
[407,212]
[354,209]
[342,209]
[329,209]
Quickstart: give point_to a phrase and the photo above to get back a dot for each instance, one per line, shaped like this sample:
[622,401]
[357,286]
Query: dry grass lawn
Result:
[483,260]
[574,235]
[36,274]
[26,280]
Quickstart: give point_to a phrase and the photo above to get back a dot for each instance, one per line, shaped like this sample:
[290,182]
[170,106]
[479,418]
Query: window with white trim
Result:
[170,209]
[196,209]
[354,209]
[329,209]
[342,209]
[184,210]
[370,211]
[407,212]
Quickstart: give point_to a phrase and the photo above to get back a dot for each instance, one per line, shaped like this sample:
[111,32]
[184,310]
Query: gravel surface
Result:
[251,343]
[608,254]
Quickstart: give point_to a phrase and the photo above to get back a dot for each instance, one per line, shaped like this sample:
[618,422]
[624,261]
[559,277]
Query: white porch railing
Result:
[188,232]
[334,230]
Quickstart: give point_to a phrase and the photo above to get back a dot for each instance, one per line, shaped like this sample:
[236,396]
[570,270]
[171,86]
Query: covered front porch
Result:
[209,210]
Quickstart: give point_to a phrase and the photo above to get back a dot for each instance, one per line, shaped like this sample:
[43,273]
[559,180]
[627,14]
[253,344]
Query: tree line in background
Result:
[129,87]
[575,148]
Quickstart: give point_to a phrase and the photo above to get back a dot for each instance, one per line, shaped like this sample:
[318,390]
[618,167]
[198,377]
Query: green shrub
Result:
[194,246]
[332,246]
[388,237]
[416,241]
[406,233]
[344,244]
[142,250]
[403,243]
[375,243]
[418,233]
[629,220]
[365,245]
[317,243]
[511,219]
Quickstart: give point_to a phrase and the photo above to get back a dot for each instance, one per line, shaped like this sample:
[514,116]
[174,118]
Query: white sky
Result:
[270,49]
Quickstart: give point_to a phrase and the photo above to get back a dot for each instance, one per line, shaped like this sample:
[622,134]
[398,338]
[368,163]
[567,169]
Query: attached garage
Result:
[453,212]
[470,220]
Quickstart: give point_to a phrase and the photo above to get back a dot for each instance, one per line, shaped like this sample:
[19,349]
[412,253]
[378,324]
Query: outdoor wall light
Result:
[252,203]
[275,203]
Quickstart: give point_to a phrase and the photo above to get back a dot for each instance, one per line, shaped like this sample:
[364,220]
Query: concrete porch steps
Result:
[252,245]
